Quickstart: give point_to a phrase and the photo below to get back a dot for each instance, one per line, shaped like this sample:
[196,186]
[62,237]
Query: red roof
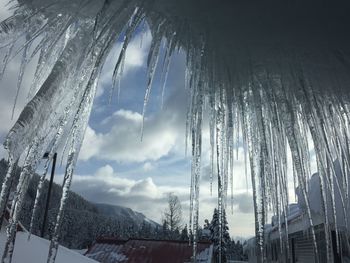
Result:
[147,251]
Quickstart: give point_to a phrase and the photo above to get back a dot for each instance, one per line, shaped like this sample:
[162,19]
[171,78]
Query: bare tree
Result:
[173,213]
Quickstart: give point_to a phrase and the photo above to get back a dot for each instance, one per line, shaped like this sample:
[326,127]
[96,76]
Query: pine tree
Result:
[184,234]
[206,223]
[145,230]
[165,230]
[220,244]
[206,231]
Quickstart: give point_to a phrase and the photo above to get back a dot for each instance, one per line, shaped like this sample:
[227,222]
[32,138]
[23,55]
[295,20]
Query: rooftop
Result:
[147,250]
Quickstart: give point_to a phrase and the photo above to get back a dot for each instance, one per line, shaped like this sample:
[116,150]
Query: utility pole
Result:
[49,191]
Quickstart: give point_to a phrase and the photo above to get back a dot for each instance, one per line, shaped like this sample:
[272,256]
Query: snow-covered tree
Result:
[221,240]
[184,234]
[206,224]
[145,230]
[165,230]
[235,251]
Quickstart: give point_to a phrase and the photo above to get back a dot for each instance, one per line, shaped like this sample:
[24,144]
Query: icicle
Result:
[279,94]
[6,61]
[166,67]
[37,198]
[78,130]
[195,177]
[231,172]
[325,210]
[6,187]
[165,79]
[143,33]
[121,71]
[77,134]
[152,62]
[136,18]
[20,76]
[212,143]
[29,166]
[220,124]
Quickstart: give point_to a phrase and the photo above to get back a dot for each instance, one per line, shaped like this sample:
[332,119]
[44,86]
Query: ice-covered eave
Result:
[269,74]
[256,28]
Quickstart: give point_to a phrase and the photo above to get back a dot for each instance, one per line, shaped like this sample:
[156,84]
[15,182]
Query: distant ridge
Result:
[122,212]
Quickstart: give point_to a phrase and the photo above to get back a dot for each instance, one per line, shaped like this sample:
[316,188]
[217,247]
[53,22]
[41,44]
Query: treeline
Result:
[82,222]
[224,246]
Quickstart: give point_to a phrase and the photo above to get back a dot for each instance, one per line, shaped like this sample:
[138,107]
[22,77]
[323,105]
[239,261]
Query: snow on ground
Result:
[80,251]
[36,250]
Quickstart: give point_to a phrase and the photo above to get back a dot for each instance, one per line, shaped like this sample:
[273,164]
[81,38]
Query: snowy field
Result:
[36,250]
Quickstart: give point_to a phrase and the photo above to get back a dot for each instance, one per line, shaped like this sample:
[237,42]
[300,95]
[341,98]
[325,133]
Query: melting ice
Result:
[268,73]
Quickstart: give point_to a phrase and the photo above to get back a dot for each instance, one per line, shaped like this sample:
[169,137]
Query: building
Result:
[110,250]
[300,242]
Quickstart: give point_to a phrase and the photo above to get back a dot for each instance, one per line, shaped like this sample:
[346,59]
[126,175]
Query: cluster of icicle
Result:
[270,103]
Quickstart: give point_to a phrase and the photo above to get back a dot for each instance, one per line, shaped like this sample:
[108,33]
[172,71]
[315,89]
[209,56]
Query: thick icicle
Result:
[29,166]
[152,62]
[78,130]
[37,198]
[274,90]
[6,187]
[20,76]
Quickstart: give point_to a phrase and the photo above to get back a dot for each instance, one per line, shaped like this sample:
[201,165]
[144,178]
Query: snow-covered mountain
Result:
[124,213]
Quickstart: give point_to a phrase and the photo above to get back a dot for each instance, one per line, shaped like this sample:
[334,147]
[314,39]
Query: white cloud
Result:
[145,187]
[144,195]
[135,57]
[8,84]
[8,88]
[106,186]
[148,167]
[122,143]
[90,146]
[164,134]
[125,114]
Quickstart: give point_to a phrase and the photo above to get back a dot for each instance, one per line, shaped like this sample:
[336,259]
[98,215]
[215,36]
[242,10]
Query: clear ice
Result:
[262,77]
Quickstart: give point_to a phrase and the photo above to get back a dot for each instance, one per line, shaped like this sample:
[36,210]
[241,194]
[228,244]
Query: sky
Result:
[115,166]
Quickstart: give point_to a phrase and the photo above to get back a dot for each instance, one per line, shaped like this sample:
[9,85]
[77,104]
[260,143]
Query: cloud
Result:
[8,84]
[145,187]
[244,202]
[148,167]
[135,57]
[106,186]
[105,183]
[8,89]
[122,142]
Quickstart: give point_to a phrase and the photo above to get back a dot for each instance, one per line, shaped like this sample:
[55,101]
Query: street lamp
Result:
[46,156]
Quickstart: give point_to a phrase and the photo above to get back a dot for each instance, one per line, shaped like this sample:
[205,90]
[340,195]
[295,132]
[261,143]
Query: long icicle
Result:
[29,166]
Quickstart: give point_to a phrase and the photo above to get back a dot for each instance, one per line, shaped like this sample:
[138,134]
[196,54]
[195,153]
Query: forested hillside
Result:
[83,220]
